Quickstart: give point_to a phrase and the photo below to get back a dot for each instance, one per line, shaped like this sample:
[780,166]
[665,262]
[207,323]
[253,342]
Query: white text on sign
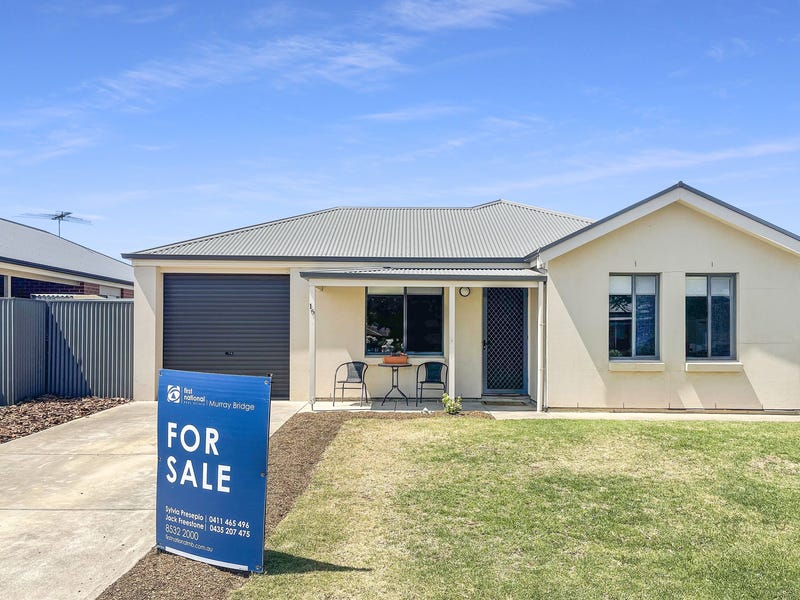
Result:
[190,440]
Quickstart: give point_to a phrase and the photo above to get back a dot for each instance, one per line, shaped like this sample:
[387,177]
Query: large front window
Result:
[633,316]
[409,319]
[709,316]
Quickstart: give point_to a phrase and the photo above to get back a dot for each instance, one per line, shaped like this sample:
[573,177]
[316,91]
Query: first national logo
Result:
[173,393]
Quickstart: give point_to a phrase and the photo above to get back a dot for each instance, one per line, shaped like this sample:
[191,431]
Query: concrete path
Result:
[650,416]
[77,502]
[509,409]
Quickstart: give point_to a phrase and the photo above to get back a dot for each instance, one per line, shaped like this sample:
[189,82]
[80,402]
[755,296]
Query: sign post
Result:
[213,433]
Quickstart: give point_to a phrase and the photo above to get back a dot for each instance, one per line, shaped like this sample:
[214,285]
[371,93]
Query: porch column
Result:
[312,343]
[6,286]
[451,335]
[540,347]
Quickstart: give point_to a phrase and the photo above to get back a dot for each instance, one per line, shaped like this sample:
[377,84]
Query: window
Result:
[633,316]
[709,316]
[409,319]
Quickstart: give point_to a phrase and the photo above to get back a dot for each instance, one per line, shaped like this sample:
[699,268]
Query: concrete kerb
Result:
[528,411]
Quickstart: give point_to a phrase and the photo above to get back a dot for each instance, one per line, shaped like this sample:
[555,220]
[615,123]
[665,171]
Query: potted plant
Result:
[397,357]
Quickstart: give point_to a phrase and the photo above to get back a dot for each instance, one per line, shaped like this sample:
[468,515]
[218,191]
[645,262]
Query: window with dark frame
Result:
[408,319]
[710,316]
[633,316]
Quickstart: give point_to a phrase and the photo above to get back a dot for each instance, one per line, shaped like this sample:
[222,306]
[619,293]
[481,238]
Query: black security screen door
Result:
[505,341]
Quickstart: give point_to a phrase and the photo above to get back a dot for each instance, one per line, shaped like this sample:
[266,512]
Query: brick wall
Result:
[23,288]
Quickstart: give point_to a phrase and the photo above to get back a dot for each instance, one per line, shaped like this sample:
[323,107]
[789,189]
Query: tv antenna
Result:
[62,215]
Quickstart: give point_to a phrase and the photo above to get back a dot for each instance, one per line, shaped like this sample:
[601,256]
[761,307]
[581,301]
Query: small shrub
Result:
[452,406]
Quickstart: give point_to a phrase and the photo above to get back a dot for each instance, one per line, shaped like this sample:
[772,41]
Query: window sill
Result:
[415,359]
[636,366]
[718,366]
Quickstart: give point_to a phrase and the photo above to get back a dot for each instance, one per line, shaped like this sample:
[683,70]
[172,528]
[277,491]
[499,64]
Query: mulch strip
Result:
[294,451]
[48,411]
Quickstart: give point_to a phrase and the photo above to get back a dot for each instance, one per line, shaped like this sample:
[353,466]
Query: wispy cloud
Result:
[298,58]
[431,15]
[112,10]
[280,13]
[35,117]
[150,147]
[151,15]
[414,113]
[57,144]
[732,48]
[271,15]
[505,124]
[650,160]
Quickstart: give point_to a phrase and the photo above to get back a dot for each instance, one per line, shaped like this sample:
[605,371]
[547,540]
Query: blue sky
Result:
[161,121]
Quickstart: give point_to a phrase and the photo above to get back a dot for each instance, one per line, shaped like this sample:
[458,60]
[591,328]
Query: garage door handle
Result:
[229,353]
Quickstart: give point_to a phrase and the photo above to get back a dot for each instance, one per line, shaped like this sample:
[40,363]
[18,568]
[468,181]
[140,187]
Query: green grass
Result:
[471,508]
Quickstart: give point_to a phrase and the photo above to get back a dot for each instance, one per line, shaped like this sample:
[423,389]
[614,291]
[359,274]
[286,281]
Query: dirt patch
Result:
[294,451]
[775,464]
[42,413]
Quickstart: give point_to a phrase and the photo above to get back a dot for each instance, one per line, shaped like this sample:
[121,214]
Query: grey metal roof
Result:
[494,231]
[30,247]
[428,274]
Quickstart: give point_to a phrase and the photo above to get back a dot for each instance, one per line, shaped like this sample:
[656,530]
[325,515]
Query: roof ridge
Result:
[550,211]
[470,208]
[402,208]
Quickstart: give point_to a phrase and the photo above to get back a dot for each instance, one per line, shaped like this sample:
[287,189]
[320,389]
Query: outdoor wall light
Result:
[463,292]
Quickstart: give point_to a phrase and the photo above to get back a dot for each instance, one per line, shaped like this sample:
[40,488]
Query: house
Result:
[679,301]
[35,262]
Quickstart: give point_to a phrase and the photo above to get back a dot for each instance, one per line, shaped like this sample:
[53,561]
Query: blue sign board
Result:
[213,432]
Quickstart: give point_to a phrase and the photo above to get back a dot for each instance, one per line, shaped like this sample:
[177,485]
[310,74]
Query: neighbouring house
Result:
[34,262]
[676,302]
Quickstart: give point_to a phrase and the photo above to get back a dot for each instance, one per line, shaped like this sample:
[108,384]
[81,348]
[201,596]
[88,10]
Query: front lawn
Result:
[472,508]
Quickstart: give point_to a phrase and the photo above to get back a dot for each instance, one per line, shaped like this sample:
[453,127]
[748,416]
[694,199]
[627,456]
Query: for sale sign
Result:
[213,432]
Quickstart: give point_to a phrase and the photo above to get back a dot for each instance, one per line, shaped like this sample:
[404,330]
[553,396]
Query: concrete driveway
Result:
[77,502]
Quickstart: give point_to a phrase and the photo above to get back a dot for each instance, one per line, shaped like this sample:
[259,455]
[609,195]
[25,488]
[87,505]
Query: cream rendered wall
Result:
[298,336]
[340,325]
[147,315]
[469,344]
[339,328]
[340,313]
[672,242]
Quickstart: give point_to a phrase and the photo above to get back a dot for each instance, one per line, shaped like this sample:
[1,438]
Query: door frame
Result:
[525,358]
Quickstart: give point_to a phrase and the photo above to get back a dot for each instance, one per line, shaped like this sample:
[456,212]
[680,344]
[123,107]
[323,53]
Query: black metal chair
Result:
[351,379]
[435,376]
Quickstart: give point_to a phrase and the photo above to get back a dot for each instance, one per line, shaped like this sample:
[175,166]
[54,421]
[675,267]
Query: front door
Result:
[505,340]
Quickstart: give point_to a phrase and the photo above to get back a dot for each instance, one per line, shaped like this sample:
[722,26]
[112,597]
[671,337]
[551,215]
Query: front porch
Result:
[489,404]
[485,325]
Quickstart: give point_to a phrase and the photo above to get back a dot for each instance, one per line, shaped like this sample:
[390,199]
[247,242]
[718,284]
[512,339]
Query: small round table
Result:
[395,381]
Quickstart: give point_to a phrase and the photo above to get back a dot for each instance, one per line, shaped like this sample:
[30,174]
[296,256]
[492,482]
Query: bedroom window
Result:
[410,319]
[633,316]
[710,316]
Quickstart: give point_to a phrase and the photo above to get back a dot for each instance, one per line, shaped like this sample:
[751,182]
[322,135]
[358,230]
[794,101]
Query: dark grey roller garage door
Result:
[228,324]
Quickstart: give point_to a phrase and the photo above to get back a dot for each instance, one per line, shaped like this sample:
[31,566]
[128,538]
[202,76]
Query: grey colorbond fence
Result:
[65,347]
[23,349]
